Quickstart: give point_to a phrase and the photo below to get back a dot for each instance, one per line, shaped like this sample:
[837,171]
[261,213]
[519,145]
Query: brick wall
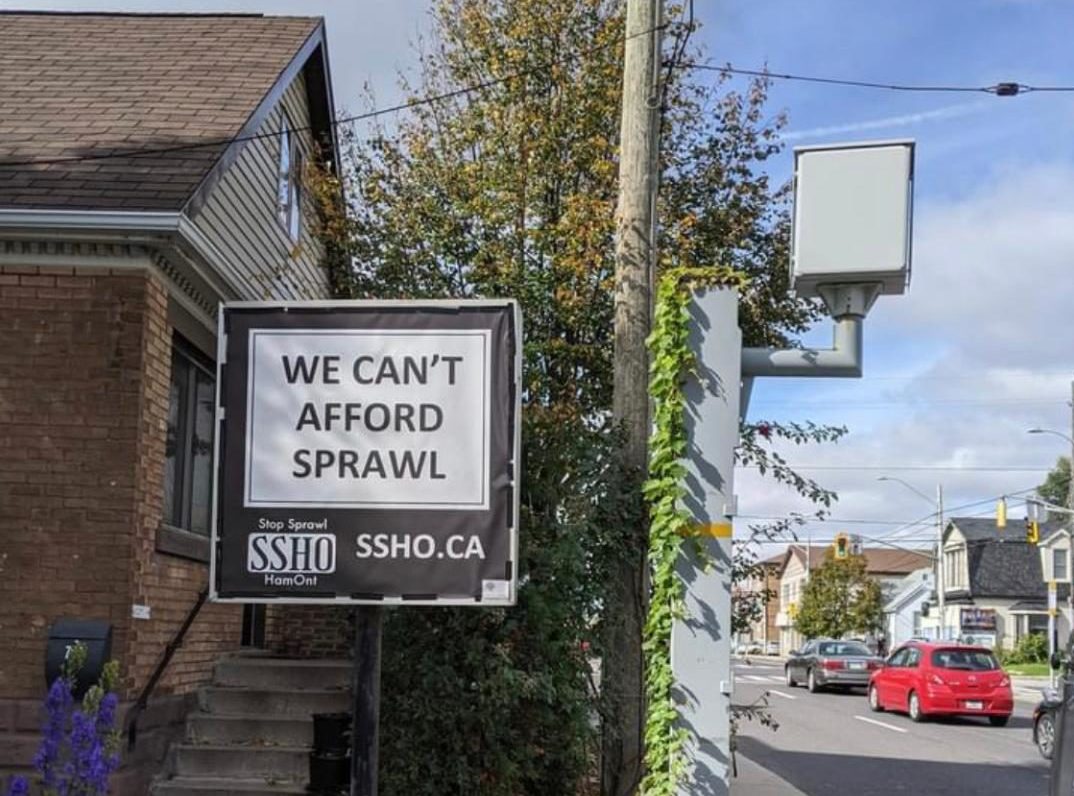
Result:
[85,360]
[70,354]
[167,584]
[309,631]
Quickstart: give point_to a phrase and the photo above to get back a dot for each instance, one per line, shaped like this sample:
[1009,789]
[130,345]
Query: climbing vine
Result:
[671,364]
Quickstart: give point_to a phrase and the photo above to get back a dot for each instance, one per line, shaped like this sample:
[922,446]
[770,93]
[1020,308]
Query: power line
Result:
[999,89]
[907,524]
[1006,89]
[414,103]
[911,467]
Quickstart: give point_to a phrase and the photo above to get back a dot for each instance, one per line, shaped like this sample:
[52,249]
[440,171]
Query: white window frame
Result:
[289,180]
[1059,555]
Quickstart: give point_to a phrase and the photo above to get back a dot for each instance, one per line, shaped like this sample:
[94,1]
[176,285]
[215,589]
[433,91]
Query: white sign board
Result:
[368,418]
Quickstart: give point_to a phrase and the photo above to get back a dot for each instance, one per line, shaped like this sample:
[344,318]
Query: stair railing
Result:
[169,650]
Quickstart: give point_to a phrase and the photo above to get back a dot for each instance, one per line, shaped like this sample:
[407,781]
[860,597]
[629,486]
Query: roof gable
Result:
[1001,563]
[97,86]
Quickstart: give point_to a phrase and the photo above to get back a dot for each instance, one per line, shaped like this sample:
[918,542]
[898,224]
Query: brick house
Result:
[887,567]
[111,268]
[764,589]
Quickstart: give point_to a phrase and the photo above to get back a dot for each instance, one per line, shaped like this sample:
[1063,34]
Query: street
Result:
[831,743]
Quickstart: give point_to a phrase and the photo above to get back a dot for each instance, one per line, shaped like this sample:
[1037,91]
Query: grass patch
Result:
[1028,669]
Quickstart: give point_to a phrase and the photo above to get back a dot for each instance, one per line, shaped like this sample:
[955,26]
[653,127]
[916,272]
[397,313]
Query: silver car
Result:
[829,662]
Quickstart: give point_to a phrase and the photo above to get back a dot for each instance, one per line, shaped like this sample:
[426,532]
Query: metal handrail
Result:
[165,659]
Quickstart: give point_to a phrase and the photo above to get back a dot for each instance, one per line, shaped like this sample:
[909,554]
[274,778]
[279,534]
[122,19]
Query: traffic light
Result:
[1032,531]
[1001,513]
[842,545]
[1032,521]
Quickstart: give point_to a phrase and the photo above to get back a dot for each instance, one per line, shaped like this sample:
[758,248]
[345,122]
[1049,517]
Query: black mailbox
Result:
[95,634]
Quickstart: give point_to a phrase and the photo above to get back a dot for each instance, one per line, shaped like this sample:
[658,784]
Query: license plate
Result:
[856,665]
[974,705]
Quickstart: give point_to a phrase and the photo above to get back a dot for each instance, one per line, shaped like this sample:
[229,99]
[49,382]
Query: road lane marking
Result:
[781,694]
[880,724]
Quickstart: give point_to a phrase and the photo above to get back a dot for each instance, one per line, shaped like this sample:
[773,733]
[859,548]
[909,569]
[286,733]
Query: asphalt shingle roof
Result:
[82,84]
[877,561]
[1001,562]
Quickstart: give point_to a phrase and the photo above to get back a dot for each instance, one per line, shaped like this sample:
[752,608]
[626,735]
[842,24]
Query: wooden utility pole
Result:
[634,258]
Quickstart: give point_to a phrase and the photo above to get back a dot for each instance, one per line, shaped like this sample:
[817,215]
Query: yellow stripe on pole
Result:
[714,530]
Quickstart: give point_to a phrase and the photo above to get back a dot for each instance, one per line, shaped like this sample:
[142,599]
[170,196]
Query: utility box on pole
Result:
[701,640]
[852,209]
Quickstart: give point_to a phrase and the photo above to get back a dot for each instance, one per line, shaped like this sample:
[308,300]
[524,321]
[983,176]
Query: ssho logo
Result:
[307,553]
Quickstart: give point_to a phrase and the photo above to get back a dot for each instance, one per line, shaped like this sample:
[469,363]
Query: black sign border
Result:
[514,383]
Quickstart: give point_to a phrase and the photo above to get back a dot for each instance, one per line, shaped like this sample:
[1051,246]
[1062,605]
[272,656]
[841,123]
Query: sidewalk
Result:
[1027,689]
[753,780]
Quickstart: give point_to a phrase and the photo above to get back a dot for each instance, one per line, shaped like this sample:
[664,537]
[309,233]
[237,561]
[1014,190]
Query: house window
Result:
[289,185]
[189,448]
[1059,565]
[955,569]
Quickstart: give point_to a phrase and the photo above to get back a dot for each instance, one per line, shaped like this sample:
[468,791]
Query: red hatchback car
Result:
[942,679]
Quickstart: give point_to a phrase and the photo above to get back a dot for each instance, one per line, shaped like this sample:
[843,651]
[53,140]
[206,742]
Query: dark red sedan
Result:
[942,679]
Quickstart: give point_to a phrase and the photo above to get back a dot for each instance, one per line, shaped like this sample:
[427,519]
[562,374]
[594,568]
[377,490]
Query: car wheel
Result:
[791,682]
[874,700]
[811,682]
[1044,734]
[913,707]
[998,721]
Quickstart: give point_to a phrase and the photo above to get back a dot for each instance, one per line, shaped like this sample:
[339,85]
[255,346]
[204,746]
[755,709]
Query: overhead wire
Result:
[1005,89]
[403,106]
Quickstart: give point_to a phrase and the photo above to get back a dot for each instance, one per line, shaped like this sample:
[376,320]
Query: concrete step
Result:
[284,673]
[287,763]
[253,730]
[214,786]
[297,703]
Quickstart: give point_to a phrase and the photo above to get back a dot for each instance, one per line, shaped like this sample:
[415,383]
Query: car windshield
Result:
[837,648]
[970,660]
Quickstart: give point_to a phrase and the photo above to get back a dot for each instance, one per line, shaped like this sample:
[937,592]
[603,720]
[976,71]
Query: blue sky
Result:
[982,347]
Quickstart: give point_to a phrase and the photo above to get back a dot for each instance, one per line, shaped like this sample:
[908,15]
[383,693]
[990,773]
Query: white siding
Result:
[241,220]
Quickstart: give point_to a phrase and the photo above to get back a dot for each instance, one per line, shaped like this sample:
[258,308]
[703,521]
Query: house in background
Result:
[904,610]
[150,168]
[1055,563]
[888,567]
[993,580]
[765,590]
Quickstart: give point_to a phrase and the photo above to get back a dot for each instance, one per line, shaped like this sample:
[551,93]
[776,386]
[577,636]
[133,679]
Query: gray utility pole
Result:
[851,243]
[635,253]
[700,639]
[941,581]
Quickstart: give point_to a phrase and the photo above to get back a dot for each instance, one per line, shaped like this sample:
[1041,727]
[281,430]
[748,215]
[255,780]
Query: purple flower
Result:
[106,713]
[57,706]
[19,787]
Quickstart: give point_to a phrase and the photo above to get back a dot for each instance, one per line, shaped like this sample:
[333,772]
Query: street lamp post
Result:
[1069,439]
[1070,505]
[940,586]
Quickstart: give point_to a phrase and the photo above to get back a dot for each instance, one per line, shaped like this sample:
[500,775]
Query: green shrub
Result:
[1030,649]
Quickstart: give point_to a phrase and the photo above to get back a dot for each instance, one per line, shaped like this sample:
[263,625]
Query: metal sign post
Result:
[365,728]
[367,454]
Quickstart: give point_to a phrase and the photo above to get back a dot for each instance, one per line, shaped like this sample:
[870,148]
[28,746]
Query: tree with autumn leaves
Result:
[506,186]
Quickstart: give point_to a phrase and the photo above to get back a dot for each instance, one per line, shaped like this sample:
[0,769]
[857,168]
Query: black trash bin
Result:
[95,634]
[330,762]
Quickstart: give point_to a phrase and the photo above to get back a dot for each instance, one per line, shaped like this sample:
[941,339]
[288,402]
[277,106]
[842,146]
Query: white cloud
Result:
[887,122]
[983,345]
